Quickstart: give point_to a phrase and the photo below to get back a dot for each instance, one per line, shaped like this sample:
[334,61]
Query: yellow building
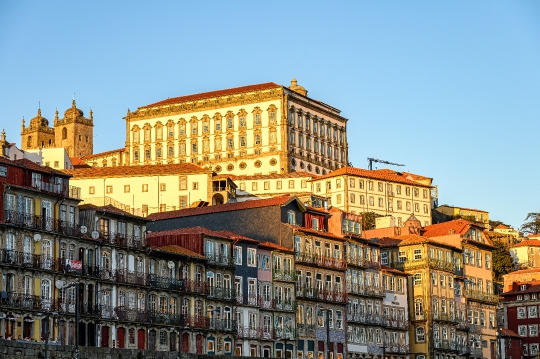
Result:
[149,189]
[384,192]
[479,215]
[526,254]
[506,230]
[257,129]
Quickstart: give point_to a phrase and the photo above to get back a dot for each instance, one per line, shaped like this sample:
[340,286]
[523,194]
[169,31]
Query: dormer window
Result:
[315,223]
[291,217]
[523,287]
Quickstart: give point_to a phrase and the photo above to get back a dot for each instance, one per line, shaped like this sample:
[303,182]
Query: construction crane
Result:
[371,160]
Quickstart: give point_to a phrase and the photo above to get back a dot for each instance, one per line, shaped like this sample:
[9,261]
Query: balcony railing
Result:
[366,290]
[166,283]
[320,294]
[122,239]
[222,293]
[286,305]
[320,260]
[362,262]
[246,299]
[224,325]
[41,223]
[445,345]
[445,317]
[395,323]
[196,321]
[364,318]
[481,296]
[131,277]
[427,263]
[132,314]
[166,318]
[397,348]
[255,333]
[284,333]
[219,259]
[194,286]
[284,275]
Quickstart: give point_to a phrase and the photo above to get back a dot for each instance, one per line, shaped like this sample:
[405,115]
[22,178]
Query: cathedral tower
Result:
[74,132]
[38,134]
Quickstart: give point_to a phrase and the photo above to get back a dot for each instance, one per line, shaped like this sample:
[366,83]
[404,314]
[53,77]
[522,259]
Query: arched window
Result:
[29,141]
[418,308]
[64,133]
[45,289]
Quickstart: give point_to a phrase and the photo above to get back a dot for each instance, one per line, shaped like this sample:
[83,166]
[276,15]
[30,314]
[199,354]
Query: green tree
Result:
[531,224]
[368,220]
[502,260]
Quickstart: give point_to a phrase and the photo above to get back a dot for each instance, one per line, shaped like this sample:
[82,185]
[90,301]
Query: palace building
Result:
[249,130]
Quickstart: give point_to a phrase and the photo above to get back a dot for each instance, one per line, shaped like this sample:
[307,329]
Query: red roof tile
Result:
[189,230]
[318,233]
[175,249]
[389,242]
[393,270]
[107,209]
[523,271]
[528,243]
[384,175]
[270,245]
[509,333]
[227,207]
[26,163]
[218,93]
[135,171]
[532,287]
[102,153]
[76,161]
[502,226]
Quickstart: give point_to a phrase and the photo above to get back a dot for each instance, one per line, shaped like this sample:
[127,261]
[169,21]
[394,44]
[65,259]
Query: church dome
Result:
[73,112]
[39,121]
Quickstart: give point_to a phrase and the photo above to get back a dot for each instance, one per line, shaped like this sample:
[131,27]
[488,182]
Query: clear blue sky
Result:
[450,88]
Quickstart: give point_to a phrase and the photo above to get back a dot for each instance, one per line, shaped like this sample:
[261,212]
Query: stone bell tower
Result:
[74,132]
[38,134]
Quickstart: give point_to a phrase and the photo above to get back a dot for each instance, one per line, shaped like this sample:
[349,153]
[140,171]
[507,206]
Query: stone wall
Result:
[10,349]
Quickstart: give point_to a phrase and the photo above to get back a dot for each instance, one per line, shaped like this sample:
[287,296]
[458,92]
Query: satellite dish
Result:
[37,237]
[60,284]
[84,229]
[170,264]
[95,234]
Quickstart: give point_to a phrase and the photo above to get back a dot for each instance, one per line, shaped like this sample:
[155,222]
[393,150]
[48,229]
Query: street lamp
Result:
[47,329]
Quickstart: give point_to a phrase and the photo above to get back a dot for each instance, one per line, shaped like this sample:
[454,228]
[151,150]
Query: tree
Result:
[493,224]
[502,260]
[368,220]
[531,224]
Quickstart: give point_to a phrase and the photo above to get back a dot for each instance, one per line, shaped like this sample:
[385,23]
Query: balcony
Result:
[463,325]
[446,345]
[397,348]
[364,318]
[48,224]
[222,325]
[196,321]
[395,323]
[219,259]
[131,277]
[481,296]
[284,275]
[255,333]
[220,293]
[166,318]
[266,303]
[122,239]
[445,317]
[320,294]
[320,260]
[197,287]
[26,301]
[284,333]
[285,305]
[166,283]
[370,291]
[426,263]
[132,314]
[361,262]
[249,300]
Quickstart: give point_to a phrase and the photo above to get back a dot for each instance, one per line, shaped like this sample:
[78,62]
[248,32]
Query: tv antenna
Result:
[371,160]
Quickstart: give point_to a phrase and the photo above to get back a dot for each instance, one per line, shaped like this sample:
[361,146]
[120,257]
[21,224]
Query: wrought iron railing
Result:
[320,260]
[481,296]
[284,275]
[365,318]
[222,293]
[362,262]
[395,323]
[219,259]
[321,294]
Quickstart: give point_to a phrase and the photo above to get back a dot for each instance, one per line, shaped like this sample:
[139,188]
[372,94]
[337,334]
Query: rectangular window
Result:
[533,330]
[417,254]
[266,185]
[533,312]
[251,255]
[91,190]
[195,185]
[145,188]
[126,188]
[109,189]
[253,186]
[238,255]
[162,187]
[291,184]
[182,202]
[278,185]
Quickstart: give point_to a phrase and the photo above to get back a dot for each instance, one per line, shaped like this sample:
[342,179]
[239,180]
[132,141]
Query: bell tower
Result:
[75,132]
[38,134]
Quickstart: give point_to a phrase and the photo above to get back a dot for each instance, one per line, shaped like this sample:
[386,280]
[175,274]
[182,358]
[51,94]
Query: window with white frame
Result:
[420,334]
[251,257]
[238,255]
[417,254]
[384,258]
[534,349]
[521,313]
[522,330]
[533,330]
[402,257]
[533,312]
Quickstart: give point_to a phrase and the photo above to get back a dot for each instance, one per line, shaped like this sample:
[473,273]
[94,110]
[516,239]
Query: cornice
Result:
[215,103]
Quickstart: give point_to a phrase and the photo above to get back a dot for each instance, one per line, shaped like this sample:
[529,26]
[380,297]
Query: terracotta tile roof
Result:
[237,237]
[523,271]
[502,226]
[318,233]
[528,243]
[227,207]
[389,242]
[218,93]
[532,287]
[509,333]
[175,249]
[189,230]
[24,162]
[270,245]
[135,171]
[457,226]
[533,236]
[266,176]
[102,153]
[108,209]
[393,270]
[76,161]
[383,175]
